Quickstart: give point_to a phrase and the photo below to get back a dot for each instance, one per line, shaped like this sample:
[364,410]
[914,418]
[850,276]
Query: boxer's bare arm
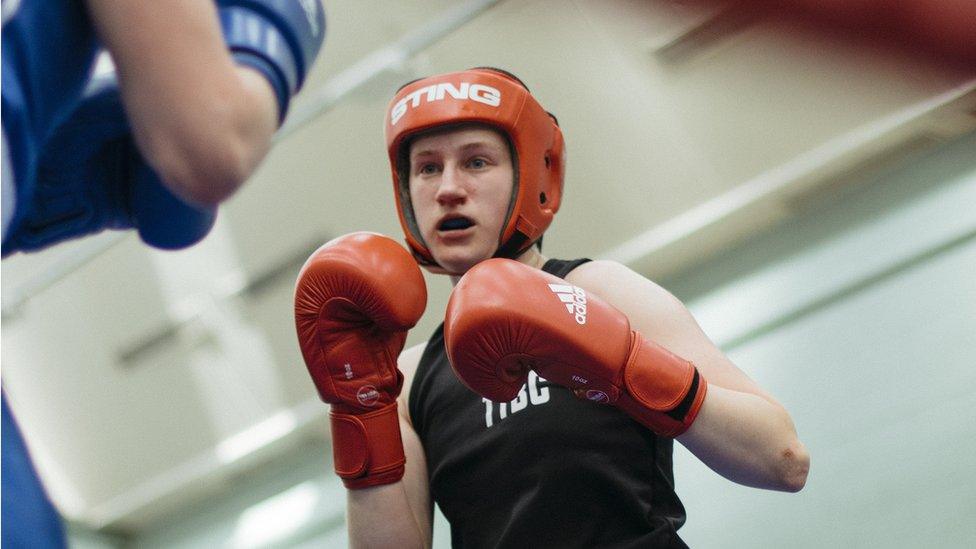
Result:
[741,432]
[200,120]
[399,514]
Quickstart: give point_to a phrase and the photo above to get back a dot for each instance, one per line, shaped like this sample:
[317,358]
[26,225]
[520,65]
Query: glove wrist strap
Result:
[663,391]
[367,448]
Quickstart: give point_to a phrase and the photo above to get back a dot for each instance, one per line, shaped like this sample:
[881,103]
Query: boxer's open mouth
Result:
[454,223]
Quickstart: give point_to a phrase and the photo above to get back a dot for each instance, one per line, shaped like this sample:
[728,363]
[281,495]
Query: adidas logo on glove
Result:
[574,298]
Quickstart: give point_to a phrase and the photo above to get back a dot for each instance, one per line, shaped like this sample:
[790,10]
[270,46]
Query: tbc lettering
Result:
[531,393]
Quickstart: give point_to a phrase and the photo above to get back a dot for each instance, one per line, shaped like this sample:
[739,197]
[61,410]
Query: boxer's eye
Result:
[427,169]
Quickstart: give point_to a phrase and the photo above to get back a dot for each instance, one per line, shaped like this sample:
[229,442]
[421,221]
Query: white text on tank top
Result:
[531,394]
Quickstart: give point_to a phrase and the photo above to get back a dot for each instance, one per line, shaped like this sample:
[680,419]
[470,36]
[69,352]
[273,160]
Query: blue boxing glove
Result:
[278,38]
[91,177]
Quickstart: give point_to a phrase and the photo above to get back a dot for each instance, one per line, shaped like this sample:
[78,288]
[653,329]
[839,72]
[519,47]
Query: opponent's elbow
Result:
[208,150]
[210,176]
[794,467]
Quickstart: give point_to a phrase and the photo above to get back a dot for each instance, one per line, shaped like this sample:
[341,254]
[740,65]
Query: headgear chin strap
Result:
[495,98]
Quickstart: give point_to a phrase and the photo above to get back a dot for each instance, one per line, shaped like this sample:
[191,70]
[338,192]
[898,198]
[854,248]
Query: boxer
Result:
[543,411]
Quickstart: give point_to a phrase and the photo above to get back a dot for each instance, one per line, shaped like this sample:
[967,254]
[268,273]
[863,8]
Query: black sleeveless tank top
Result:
[544,470]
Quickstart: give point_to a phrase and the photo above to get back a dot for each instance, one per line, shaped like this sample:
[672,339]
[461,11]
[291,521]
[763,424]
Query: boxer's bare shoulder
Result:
[621,286]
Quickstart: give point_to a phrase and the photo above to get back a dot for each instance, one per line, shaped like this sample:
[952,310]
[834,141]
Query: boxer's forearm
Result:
[380,516]
[394,515]
[749,440]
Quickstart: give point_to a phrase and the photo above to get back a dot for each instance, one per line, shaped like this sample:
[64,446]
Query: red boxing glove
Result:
[355,299]
[505,318]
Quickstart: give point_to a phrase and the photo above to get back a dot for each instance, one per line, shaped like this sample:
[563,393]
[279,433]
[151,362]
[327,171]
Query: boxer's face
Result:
[460,187]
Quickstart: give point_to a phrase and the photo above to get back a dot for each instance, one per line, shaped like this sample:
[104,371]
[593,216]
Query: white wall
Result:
[861,317]
[291,501]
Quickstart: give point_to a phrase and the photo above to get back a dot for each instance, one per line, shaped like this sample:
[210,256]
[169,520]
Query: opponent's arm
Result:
[741,431]
[202,121]
[398,514]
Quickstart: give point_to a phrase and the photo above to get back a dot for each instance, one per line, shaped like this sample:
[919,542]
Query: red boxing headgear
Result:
[495,98]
